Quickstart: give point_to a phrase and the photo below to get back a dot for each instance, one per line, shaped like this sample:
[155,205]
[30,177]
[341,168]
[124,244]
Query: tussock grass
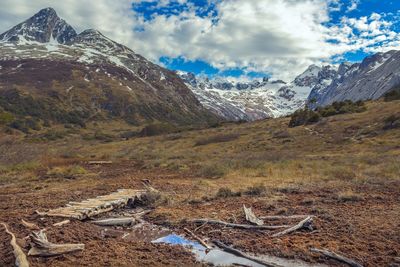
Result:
[219,138]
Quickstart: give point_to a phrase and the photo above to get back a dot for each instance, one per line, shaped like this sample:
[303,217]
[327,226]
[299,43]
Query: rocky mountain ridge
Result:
[91,75]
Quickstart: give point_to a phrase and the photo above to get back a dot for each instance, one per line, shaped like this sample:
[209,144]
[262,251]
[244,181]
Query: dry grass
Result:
[336,151]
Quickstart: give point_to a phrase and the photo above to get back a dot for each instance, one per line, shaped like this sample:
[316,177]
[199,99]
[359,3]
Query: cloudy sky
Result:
[251,38]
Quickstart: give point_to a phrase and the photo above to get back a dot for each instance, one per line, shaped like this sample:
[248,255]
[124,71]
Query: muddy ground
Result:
[366,230]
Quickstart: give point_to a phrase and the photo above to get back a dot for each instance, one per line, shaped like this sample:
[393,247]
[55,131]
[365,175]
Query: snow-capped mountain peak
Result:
[43,27]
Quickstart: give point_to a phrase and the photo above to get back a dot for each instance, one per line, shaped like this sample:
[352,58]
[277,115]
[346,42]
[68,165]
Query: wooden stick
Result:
[306,223]
[251,217]
[243,255]
[201,241]
[123,221]
[337,257]
[99,162]
[239,226]
[20,257]
[42,247]
[29,225]
[278,217]
[61,223]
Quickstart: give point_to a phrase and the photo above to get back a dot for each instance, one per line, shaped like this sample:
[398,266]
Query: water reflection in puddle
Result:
[214,256]
[147,232]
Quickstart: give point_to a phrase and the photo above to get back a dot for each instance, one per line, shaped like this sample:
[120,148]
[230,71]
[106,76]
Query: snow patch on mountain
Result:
[256,99]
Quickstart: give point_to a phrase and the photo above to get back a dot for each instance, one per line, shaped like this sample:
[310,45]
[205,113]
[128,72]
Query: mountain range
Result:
[316,86]
[50,72]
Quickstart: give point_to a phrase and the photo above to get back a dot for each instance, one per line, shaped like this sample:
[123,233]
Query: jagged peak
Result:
[42,27]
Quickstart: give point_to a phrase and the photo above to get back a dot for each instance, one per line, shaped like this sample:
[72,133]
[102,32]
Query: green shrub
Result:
[392,122]
[307,116]
[52,135]
[129,134]
[220,138]
[158,129]
[6,117]
[303,117]
[225,192]
[392,95]
[212,171]
[256,190]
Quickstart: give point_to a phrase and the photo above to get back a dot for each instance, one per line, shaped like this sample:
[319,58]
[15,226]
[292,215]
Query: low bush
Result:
[392,122]
[69,172]
[225,192]
[392,95]
[256,190]
[212,171]
[307,116]
[158,129]
[304,117]
[6,117]
[349,196]
[220,138]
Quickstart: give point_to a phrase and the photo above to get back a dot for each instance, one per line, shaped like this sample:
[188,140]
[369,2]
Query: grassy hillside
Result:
[36,94]
[344,169]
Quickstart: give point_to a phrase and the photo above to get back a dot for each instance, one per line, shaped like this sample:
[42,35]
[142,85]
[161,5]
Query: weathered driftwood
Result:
[243,255]
[95,206]
[239,226]
[306,223]
[283,217]
[42,247]
[336,256]
[30,225]
[20,257]
[99,162]
[201,241]
[251,217]
[123,221]
[61,223]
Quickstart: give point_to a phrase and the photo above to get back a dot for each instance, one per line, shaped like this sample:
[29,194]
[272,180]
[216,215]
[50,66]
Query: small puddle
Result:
[221,258]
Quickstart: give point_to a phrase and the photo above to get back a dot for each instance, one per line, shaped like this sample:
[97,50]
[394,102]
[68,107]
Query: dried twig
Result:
[124,221]
[30,225]
[306,223]
[20,257]
[243,255]
[337,257]
[201,241]
[61,223]
[251,217]
[283,217]
[42,247]
[239,226]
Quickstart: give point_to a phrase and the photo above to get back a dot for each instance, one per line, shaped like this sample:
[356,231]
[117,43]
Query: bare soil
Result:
[366,230]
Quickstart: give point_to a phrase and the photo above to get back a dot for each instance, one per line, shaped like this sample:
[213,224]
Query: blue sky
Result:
[238,38]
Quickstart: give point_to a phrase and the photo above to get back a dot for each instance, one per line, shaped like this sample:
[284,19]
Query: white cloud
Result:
[353,5]
[281,37]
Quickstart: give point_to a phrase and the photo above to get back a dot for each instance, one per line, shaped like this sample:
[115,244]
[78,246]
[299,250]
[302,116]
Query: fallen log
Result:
[124,221]
[61,223]
[239,226]
[201,241]
[29,225]
[99,162]
[306,223]
[337,257]
[243,255]
[20,257]
[251,217]
[42,247]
